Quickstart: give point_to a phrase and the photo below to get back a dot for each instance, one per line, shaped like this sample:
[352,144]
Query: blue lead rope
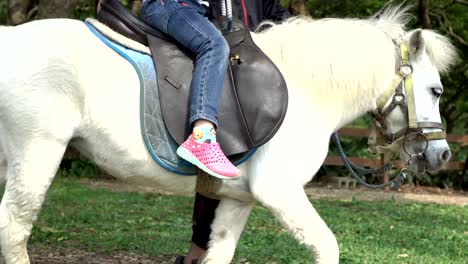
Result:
[394,184]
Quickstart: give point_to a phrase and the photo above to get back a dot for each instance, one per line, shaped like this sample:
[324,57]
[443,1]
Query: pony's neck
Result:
[338,67]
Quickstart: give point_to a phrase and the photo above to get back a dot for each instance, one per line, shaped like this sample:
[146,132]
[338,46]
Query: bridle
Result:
[401,94]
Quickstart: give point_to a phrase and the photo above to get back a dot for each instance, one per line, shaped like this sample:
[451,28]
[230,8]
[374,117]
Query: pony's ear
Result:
[416,43]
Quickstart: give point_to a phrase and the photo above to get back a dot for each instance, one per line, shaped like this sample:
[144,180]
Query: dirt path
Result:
[405,194]
[73,256]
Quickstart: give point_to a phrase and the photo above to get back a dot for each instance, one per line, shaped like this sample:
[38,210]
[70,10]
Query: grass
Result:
[368,232]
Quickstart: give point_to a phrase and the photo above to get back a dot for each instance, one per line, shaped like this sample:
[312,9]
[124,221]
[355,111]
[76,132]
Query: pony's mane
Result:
[391,21]
[439,49]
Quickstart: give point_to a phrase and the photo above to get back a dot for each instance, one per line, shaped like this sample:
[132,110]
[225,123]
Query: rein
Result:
[351,167]
[401,94]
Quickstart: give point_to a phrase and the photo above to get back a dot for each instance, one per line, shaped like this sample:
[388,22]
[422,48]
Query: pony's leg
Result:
[231,216]
[292,207]
[30,172]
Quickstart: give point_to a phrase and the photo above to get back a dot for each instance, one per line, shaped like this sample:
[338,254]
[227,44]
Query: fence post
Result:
[384,159]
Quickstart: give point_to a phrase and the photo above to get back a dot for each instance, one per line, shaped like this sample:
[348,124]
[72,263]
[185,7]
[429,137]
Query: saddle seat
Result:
[254,99]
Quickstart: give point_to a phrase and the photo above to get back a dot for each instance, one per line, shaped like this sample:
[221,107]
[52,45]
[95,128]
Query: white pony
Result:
[61,85]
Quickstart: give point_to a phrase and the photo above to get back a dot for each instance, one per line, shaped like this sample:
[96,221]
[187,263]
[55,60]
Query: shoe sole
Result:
[188,156]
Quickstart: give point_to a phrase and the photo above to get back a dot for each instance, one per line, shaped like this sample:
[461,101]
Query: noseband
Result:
[405,100]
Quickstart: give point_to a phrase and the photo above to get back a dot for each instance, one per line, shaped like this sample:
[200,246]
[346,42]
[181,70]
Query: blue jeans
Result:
[185,21]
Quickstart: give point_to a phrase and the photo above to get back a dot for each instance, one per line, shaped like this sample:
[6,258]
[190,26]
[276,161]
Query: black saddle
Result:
[255,97]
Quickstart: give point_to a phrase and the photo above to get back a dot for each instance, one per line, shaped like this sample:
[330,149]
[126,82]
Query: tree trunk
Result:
[18,11]
[423,14]
[298,8]
[56,8]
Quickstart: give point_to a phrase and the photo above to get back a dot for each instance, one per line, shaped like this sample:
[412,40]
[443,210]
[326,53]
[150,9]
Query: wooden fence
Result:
[367,162]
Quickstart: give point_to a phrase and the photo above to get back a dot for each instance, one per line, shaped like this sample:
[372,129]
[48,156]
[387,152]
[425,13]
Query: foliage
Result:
[343,8]
[452,21]
[3,12]
[85,9]
[367,232]
[78,168]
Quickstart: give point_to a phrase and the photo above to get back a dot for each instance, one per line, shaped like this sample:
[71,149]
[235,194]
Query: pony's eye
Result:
[437,92]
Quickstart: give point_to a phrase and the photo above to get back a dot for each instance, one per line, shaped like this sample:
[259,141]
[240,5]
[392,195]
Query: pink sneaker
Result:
[208,157]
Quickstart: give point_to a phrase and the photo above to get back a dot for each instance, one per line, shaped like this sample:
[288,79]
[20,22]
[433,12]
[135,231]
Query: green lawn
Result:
[368,232]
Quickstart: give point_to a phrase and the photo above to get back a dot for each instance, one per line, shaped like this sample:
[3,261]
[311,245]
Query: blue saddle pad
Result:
[157,139]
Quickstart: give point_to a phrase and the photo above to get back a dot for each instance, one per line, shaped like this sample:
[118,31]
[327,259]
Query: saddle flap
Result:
[174,68]
[261,90]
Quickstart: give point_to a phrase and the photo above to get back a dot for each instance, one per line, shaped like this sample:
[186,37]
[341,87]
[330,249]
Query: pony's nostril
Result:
[446,155]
